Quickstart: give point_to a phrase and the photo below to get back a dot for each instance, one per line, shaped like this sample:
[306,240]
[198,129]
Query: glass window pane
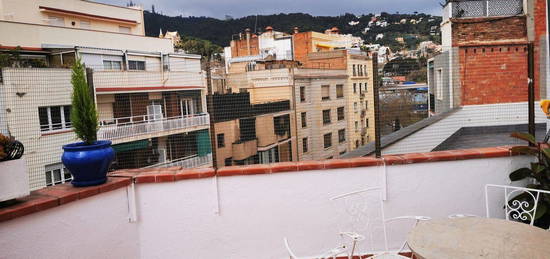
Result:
[107,65]
[55,113]
[67,113]
[49,181]
[57,175]
[117,65]
[43,117]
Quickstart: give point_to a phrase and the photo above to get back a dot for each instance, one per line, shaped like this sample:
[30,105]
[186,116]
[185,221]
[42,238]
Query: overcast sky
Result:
[240,8]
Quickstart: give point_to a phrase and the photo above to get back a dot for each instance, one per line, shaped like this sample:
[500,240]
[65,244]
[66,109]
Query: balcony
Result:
[129,81]
[245,149]
[187,162]
[253,206]
[121,130]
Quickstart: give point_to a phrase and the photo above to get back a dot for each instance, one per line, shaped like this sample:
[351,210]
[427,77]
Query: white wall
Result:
[426,139]
[180,219]
[96,227]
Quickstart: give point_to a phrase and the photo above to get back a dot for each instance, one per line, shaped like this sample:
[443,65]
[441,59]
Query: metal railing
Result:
[486,8]
[146,124]
[186,162]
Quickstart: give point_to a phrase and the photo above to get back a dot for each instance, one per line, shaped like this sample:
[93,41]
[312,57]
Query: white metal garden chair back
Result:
[524,210]
[359,215]
[362,215]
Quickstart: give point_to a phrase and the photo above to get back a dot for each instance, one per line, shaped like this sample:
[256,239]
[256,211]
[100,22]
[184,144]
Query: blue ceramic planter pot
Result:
[88,163]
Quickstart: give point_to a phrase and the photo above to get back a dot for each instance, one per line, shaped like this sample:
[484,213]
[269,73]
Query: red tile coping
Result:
[61,194]
[57,195]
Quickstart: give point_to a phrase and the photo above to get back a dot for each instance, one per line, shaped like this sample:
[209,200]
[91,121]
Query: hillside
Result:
[220,31]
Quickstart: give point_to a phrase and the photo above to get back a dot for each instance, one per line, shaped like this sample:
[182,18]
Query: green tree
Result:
[84,116]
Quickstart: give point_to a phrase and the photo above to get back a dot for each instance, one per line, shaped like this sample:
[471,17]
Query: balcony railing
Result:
[186,162]
[138,125]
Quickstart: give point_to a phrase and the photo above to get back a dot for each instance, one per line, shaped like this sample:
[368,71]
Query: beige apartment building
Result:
[151,101]
[327,76]
[246,133]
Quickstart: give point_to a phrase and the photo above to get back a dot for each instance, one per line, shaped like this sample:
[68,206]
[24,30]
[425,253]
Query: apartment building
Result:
[327,76]
[252,133]
[151,101]
[332,50]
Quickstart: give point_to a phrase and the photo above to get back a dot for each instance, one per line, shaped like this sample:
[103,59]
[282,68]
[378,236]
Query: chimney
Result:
[247,31]
[296,30]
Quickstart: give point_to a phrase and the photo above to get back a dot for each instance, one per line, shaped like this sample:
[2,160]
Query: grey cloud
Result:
[240,8]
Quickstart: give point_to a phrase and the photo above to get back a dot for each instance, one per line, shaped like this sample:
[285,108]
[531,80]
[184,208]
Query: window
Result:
[221,140]
[354,88]
[269,156]
[356,126]
[362,140]
[85,24]
[342,135]
[327,140]
[326,117]
[56,21]
[340,112]
[136,65]
[361,88]
[54,118]
[112,65]
[360,72]
[356,143]
[304,145]
[124,29]
[366,87]
[366,72]
[57,174]
[367,122]
[304,120]
[325,92]
[439,84]
[228,161]
[339,91]
[302,94]
[354,71]
[355,107]
[367,105]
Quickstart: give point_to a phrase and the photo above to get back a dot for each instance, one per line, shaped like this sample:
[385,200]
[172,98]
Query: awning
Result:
[140,144]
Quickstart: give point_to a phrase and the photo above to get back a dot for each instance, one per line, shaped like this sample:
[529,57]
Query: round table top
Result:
[474,237]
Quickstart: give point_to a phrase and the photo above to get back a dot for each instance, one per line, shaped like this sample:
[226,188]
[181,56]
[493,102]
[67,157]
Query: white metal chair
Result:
[330,254]
[519,210]
[356,212]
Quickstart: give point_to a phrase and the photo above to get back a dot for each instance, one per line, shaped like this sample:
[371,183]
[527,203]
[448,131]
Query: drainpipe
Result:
[126,60]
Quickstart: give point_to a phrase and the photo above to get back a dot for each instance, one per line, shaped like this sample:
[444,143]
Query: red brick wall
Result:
[476,31]
[302,47]
[239,48]
[493,74]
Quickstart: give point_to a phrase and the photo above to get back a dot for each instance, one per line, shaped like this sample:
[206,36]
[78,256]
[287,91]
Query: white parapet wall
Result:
[248,216]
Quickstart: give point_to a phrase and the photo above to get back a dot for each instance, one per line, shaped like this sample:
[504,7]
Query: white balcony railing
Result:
[186,162]
[133,126]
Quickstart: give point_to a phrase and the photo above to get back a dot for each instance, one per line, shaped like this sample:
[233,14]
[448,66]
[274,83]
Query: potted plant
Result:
[539,173]
[89,160]
[14,180]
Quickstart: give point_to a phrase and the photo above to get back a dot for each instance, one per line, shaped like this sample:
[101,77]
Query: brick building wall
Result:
[484,30]
[493,74]
[540,47]
[239,48]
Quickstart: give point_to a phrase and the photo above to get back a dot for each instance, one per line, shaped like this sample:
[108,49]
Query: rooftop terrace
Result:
[204,213]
